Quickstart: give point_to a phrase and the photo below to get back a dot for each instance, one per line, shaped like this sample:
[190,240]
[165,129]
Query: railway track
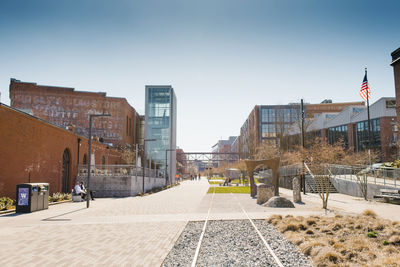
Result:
[267,248]
[237,241]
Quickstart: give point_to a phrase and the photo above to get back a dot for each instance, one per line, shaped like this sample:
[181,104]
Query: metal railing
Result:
[290,170]
[379,175]
[376,175]
[118,170]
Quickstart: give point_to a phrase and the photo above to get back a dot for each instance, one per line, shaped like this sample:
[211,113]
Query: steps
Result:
[319,184]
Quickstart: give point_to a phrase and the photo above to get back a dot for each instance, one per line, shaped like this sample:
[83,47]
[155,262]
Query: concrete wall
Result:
[121,186]
[352,188]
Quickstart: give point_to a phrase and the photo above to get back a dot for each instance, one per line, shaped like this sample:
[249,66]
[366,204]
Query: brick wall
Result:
[64,106]
[388,151]
[396,71]
[30,146]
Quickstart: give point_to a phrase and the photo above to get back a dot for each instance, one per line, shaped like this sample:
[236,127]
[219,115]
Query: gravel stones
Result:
[183,251]
[287,252]
[232,243]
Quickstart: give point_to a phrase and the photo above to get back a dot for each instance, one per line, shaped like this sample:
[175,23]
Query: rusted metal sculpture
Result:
[253,165]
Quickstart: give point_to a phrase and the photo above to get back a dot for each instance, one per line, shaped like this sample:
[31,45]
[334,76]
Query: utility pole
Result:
[303,145]
[369,123]
[90,154]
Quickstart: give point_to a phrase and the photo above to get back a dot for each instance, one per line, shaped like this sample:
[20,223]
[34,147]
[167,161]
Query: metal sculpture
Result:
[253,165]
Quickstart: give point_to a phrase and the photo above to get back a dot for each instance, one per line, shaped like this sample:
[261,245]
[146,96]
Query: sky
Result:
[222,57]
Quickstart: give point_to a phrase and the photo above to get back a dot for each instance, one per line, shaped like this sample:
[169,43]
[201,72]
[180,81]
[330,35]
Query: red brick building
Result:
[396,70]
[267,123]
[64,106]
[32,150]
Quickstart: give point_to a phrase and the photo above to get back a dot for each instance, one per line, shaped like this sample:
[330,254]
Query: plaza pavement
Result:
[140,231]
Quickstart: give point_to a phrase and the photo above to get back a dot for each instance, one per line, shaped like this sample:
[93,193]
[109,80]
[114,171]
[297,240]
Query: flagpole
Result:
[369,122]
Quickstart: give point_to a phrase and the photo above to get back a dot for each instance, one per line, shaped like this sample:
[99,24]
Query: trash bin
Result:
[32,197]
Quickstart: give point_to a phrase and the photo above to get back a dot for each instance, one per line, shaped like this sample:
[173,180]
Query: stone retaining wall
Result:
[121,186]
[352,188]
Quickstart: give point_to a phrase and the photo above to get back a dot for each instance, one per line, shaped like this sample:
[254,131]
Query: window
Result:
[362,134]
[338,133]
[130,127]
[127,126]
[391,103]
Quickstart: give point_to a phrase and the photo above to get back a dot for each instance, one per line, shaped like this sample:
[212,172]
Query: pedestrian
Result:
[199,176]
[84,189]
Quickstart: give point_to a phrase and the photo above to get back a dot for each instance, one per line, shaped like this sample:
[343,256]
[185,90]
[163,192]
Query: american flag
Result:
[365,90]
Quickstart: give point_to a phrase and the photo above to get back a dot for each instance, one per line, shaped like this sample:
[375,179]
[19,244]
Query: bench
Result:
[389,194]
[76,197]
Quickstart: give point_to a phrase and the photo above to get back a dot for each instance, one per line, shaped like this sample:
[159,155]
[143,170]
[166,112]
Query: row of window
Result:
[272,130]
[273,115]
[84,161]
[341,133]
[338,133]
[362,134]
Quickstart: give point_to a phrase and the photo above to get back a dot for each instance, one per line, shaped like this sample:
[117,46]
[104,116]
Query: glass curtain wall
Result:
[338,133]
[277,119]
[158,124]
[362,134]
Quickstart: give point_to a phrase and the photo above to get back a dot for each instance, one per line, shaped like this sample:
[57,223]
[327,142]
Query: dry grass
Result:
[343,240]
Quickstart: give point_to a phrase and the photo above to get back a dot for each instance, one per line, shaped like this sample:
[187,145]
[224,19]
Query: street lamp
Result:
[144,151]
[90,154]
[166,166]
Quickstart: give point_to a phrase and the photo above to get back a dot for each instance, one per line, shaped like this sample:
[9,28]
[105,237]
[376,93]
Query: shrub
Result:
[311,222]
[385,243]
[291,227]
[370,213]
[372,234]
[57,197]
[6,203]
[395,240]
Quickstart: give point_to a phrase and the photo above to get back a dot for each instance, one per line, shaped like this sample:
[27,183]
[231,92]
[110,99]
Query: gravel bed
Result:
[287,252]
[183,251]
[232,243]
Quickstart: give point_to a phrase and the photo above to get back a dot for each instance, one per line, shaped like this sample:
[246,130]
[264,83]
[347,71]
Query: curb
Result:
[50,204]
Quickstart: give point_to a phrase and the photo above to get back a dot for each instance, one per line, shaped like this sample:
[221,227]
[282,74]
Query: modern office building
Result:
[160,124]
[269,123]
[351,127]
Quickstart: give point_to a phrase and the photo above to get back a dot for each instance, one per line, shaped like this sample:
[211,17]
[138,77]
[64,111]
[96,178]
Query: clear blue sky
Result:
[221,56]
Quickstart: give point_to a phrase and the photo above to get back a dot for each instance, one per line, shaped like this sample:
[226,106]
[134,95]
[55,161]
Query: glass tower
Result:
[160,124]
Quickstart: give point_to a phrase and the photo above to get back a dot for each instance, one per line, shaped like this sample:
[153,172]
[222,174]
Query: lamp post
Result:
[166,166]
[77,161]
[144,156]
[90,153]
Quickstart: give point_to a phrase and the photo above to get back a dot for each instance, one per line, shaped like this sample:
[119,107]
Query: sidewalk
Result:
[140,231]
[108,233]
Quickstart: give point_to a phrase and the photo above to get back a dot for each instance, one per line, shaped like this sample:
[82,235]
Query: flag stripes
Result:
[365,91]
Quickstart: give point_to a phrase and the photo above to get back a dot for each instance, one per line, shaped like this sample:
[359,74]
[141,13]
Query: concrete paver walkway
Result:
[140,231]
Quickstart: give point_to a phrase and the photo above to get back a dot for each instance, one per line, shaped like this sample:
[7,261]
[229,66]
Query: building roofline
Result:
[395,56]
[39,119]
[71,89]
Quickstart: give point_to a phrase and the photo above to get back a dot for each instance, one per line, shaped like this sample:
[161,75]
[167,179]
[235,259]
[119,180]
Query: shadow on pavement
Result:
[54,218]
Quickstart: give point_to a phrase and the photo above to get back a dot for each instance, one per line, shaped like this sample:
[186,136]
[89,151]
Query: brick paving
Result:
[135,231]
[139,231]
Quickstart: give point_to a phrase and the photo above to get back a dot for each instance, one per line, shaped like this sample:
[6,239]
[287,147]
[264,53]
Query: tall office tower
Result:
[160,124]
